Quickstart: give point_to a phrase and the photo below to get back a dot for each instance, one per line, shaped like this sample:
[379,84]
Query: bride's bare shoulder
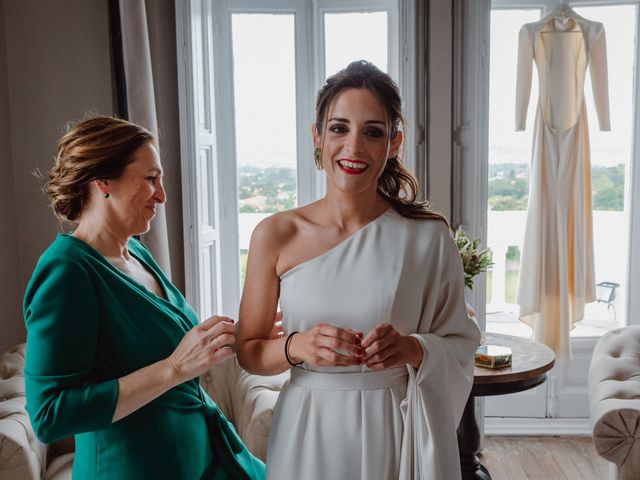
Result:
[280,228]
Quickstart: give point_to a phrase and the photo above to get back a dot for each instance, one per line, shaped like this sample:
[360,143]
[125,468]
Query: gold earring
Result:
[317,157]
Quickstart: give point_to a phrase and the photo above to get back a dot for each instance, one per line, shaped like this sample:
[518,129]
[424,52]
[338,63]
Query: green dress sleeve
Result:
[61,313]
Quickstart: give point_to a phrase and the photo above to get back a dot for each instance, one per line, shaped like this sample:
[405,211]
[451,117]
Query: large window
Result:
[509,170]
[264,90]
[257,65]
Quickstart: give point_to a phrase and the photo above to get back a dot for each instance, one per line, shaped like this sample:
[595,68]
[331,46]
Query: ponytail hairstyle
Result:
[396,184]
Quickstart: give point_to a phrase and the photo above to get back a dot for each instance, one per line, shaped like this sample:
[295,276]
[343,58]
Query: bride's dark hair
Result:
[396,184]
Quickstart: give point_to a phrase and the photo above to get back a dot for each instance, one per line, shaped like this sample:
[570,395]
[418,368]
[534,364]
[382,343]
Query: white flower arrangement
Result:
[474,259]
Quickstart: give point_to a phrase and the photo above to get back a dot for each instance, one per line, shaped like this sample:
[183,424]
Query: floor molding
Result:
[537,426]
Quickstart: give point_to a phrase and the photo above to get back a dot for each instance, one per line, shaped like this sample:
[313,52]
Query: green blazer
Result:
[89,324]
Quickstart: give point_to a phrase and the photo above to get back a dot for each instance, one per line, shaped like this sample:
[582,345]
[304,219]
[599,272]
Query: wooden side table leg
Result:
[469,444]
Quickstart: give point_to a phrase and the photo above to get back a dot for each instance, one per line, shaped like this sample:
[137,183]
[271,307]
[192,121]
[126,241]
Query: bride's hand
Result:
[386,348]
[327,345]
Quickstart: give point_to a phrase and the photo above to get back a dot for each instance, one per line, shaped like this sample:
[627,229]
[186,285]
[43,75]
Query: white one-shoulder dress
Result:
[352,423]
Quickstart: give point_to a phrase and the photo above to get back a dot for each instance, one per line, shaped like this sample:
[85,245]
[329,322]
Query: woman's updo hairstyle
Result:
[396,184]
[97,148]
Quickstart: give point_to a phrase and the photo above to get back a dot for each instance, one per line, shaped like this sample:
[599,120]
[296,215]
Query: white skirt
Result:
[339,426]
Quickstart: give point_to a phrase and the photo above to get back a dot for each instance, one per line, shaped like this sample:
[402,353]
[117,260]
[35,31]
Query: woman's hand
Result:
[386,348]
[277,331]
[327,345]
[202,347]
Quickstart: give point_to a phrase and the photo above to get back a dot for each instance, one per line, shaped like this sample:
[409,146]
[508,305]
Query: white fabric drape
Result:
[142,106]
[353,423]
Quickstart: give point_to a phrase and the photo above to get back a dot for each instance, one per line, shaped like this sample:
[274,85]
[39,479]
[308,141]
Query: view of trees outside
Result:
[510,158]
[509,186]
[266,189]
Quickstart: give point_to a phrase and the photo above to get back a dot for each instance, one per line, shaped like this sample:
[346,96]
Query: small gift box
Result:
[493,356]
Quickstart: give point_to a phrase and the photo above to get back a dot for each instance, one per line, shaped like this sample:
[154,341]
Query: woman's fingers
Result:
[277,331]
[345,334]
[221,354]
[388,362]
[380,344]
[330,357]
[218,329]
[326,344]
[223,340]
[213,321]
[375,334]
[381,353]
[339,345]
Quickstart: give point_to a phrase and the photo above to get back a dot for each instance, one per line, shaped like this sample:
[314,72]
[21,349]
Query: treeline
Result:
[273,189]
[266,189]
[509,187]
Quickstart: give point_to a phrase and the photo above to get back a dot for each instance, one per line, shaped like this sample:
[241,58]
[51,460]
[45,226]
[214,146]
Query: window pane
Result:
[610,160]
[265,119]
[355,36]
[509,158]
[510,155]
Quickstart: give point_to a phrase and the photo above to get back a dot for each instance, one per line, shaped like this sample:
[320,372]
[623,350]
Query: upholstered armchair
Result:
[247,400]
[614,398]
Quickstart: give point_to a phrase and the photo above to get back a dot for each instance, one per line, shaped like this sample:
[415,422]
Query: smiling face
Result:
[133,196]
[356,141]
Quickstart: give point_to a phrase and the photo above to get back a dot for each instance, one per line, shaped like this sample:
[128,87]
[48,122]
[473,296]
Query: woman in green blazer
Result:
[113,350]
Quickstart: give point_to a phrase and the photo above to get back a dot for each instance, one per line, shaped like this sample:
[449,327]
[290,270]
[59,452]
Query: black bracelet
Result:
[286,350]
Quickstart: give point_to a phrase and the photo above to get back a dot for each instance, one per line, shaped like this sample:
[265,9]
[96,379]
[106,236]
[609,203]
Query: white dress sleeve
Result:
[438,390]
[523,79]
[599,81]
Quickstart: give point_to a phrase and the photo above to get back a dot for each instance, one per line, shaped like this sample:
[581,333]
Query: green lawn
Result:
[511,285]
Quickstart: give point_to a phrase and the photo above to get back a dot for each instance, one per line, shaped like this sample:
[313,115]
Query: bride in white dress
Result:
[371,287]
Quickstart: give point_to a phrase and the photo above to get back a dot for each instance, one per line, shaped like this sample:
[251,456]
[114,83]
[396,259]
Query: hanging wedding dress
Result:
[557,272]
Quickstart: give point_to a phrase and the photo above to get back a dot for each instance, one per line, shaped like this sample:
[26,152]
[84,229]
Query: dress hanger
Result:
[562,12]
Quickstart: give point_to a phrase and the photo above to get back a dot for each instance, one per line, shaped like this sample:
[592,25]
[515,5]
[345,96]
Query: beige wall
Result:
[57,69]
[11,330]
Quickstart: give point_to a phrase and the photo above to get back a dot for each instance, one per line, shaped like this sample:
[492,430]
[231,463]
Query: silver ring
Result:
[216,343]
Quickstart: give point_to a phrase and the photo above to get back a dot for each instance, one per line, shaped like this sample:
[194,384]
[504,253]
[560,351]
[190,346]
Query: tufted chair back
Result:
[247,400]
[614,399]
[22,456]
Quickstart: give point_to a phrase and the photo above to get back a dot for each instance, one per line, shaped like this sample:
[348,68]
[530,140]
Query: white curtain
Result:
[141,106]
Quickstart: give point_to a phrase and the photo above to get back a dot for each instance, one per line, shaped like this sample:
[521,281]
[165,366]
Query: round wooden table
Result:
[529,363]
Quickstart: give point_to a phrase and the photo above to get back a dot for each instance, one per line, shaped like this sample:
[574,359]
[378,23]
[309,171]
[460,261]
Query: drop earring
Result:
[317,157]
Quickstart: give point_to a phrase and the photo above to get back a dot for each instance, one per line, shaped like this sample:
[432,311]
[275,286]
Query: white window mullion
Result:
[405,23]
[470,117]
[317,80]
[194,25]
[310,181]
[633,269]
[225,127]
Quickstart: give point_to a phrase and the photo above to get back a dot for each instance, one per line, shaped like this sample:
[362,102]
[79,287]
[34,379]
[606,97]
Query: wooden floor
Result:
[544,458]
